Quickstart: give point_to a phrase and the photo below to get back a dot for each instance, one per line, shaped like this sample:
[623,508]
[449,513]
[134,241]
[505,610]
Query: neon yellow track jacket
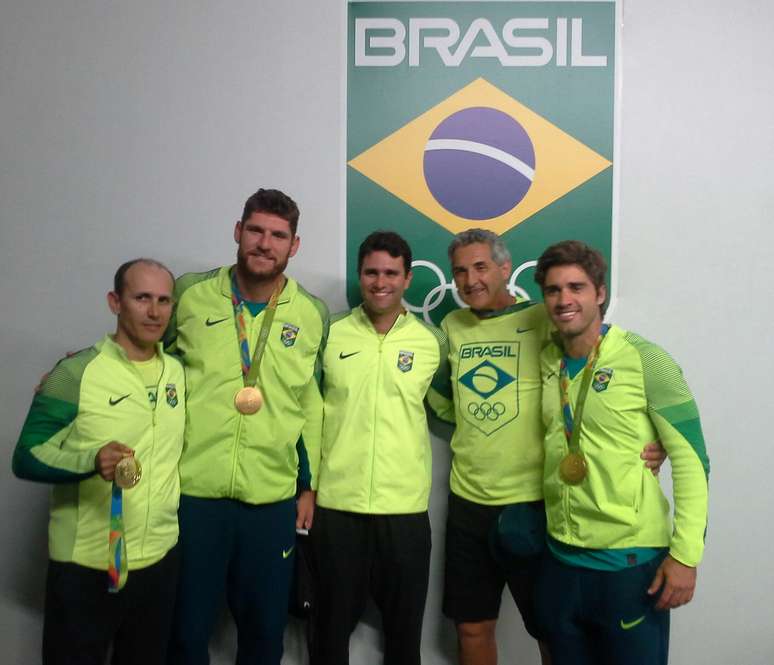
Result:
[88,400]
[497,445]
[637,395]
[376,455]
[252,458]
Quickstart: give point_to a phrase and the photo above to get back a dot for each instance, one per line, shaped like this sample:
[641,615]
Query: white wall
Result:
[139,129]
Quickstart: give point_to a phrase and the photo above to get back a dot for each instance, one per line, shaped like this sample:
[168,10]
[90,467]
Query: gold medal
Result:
[572,469]
[128,473]
[248,400]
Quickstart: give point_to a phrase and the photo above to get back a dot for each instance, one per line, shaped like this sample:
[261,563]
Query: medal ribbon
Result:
[250,365]
[118,565]
[571,432]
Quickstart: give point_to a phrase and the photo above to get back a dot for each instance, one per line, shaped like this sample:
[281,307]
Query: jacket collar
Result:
[112,349]
[287,295]
[402,320]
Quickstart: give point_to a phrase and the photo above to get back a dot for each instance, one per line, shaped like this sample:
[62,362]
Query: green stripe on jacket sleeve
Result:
[311,436]
[304,480]
[440,397]
[675,416]
[690,491]
[39,455]
[325,321]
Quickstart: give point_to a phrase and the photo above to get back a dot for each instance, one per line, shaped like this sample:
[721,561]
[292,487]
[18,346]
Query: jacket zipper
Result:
[376,406]
[150,464]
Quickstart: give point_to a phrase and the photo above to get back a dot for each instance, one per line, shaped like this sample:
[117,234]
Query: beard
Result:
[260,276]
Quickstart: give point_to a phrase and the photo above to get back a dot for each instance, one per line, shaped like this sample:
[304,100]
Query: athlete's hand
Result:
[305,510]
[654,456]
[108,456]
[676,581]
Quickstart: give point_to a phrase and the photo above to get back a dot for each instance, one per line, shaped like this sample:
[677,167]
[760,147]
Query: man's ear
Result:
[294,243]
[114,302]
[601,294]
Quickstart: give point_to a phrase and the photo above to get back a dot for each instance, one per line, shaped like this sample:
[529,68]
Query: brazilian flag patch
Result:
[289,334]
[171,392]
[405,360]
[602,378]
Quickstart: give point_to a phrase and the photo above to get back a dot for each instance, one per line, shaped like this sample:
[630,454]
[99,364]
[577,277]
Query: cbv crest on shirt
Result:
[405,360]
[171,393]
[488,385]
[602,378]
[289,334]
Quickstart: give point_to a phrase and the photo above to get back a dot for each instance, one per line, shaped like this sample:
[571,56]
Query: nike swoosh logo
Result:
[209,323]
[550,375]
[343,355]
[523,330]
[632,624]
[113,402]
[287,553]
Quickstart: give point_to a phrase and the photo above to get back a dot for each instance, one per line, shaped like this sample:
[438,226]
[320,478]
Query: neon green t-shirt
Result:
[497,445]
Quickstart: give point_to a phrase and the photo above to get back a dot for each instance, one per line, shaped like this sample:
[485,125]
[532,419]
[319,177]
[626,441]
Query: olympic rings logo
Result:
[486,411]
[435,296]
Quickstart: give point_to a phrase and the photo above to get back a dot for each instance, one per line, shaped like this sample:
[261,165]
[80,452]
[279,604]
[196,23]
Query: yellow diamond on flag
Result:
[479,158]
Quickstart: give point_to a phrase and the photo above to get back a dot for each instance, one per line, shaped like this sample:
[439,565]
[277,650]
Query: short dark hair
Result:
[573,252]
[274,202]
[119,279]
[385,241]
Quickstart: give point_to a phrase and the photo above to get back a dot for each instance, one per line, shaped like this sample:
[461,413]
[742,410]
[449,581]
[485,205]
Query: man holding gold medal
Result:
[495,524]
[617,563]
[250,340]
[106,429]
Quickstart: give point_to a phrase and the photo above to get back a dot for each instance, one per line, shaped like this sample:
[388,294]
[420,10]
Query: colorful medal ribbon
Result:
[250,365]
[571,432]
[118,564]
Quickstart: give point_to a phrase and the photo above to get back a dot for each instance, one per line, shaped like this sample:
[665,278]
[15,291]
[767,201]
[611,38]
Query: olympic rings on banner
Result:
[435,296]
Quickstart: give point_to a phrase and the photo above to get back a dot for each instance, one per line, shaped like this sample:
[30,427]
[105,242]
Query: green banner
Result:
[498,115]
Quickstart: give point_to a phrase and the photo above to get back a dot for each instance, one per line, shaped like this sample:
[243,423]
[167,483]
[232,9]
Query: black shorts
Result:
[473,579]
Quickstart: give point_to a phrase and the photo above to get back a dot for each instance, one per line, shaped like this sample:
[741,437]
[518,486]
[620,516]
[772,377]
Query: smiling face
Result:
[383,281]
[573,303]
[266,243]
[481,283]
[143,309]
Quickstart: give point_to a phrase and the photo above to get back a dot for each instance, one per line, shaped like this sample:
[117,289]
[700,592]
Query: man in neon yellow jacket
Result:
[497,446]
[372,531]
[117,402]
[246,329]
[617,562]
